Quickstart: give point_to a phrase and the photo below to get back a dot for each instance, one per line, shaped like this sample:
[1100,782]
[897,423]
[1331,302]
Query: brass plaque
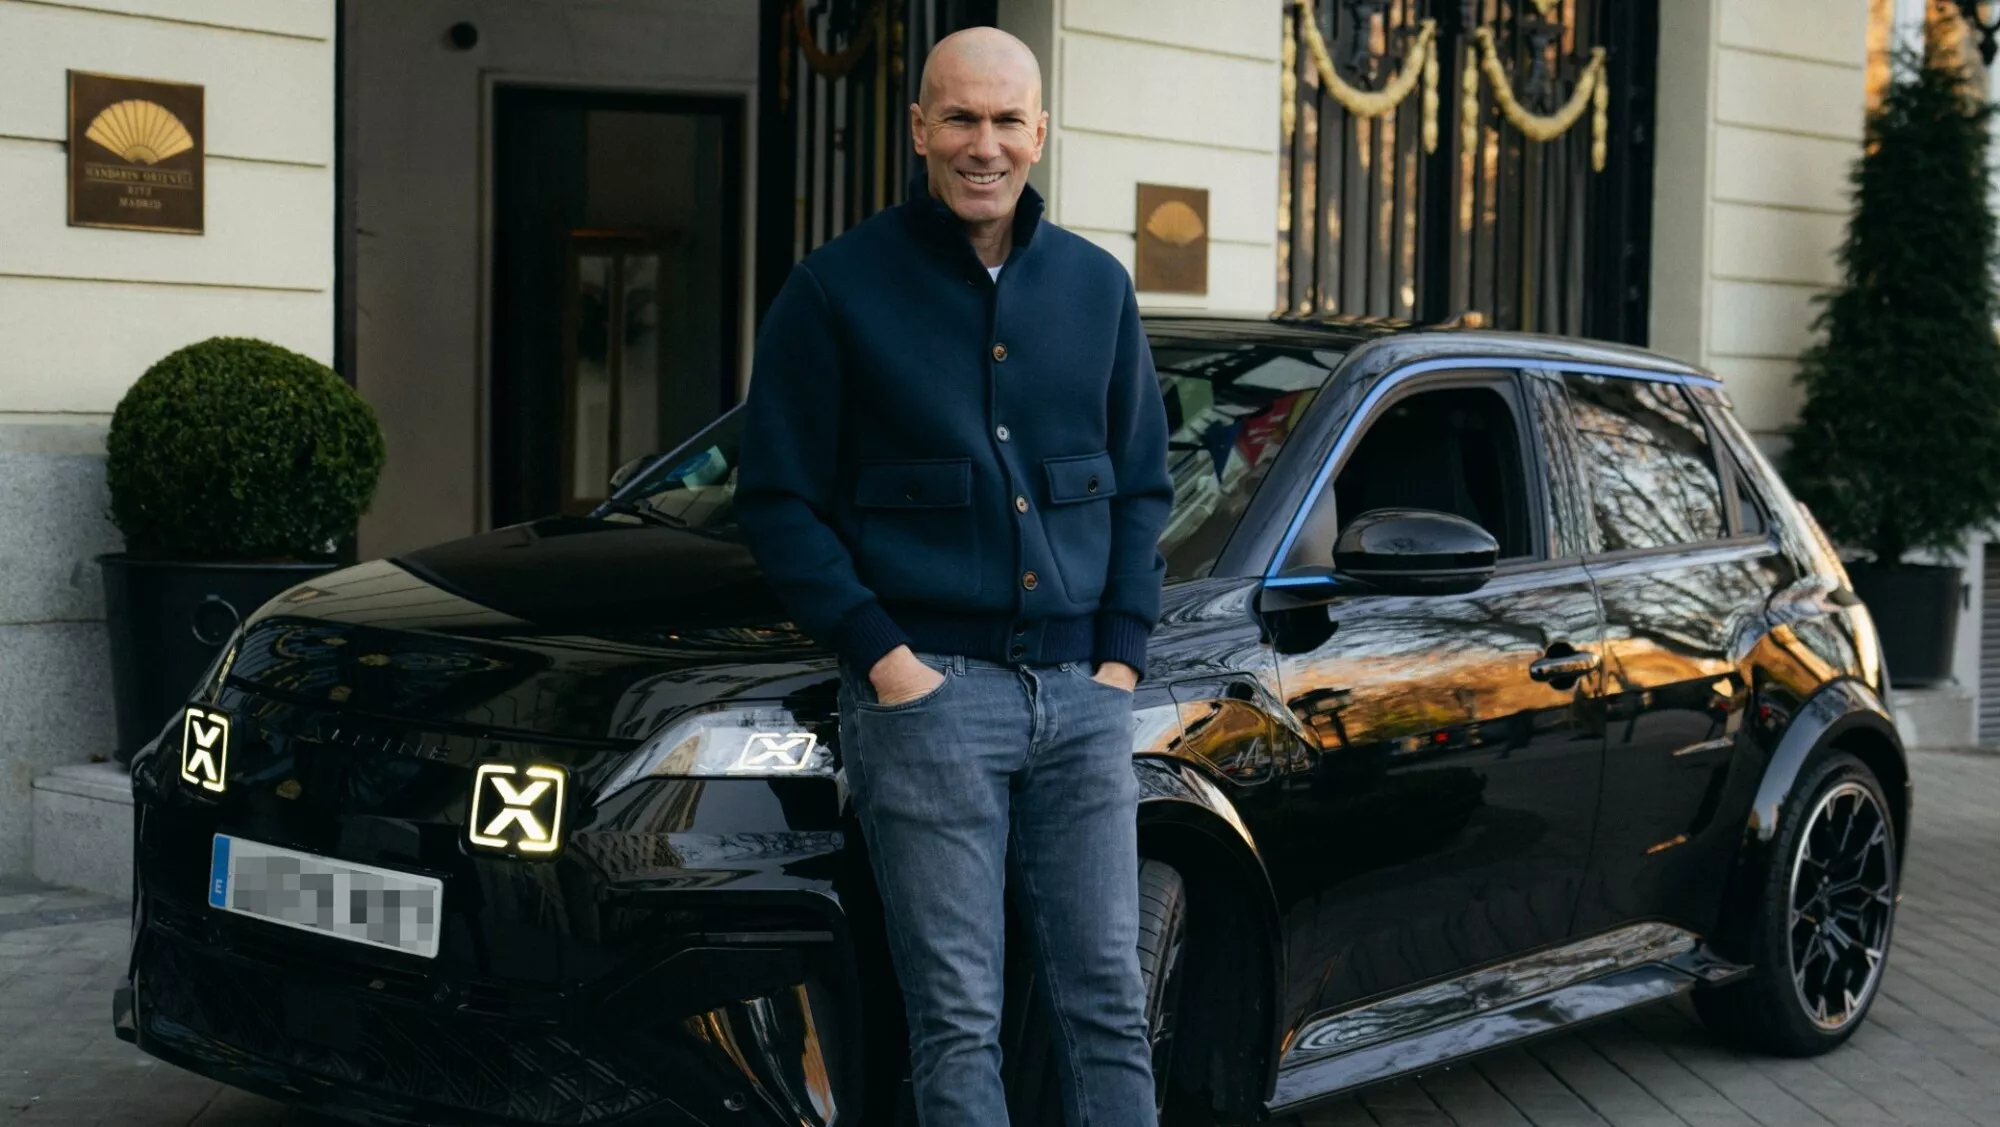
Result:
[1173,240]
[135,154]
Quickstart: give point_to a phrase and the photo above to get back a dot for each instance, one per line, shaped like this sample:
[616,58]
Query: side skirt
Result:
[1502,1004]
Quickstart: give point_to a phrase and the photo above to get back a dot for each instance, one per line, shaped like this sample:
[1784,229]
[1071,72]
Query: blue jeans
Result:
[1007,779]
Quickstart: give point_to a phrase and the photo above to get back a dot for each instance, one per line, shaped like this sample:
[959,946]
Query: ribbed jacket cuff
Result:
[866,635]
[1121,638]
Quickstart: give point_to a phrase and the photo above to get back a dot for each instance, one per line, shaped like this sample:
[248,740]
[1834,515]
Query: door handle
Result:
[1563,665]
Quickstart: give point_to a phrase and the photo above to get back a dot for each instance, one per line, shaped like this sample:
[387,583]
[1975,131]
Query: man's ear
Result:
[1041,135]
[917,128]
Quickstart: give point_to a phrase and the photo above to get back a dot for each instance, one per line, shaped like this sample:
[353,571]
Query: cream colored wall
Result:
[84,311]
[1760,118]
[1176,92]
[94,307]
[419,127]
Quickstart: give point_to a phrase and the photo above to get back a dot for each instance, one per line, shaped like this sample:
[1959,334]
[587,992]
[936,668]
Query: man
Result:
[956,477]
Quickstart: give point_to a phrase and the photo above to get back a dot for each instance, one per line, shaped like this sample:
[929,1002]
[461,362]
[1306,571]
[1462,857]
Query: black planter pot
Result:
[166,623]
[1915,608]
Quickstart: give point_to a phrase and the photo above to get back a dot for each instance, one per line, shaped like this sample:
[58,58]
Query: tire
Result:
[1034,1086]
[1824,916]
[1162,937]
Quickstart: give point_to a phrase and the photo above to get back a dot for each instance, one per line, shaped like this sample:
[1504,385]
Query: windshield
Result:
[693,485]
[1230,408]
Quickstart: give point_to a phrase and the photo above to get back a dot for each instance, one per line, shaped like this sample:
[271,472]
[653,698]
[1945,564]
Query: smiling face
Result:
[980,124]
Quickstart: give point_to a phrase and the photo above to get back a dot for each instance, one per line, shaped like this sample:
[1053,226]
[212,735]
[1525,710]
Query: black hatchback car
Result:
[1501,686]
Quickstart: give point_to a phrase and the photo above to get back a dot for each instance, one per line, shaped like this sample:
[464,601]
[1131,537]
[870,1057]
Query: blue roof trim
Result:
[1465,363]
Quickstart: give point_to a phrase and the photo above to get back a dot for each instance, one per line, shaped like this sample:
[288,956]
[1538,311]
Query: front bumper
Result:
[723,1029]
[701,953]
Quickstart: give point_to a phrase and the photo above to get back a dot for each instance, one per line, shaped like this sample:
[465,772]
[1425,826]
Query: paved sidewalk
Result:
[1929,1055]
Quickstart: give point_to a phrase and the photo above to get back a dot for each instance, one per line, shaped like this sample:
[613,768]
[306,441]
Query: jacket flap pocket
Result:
[937,484]
[1086,478]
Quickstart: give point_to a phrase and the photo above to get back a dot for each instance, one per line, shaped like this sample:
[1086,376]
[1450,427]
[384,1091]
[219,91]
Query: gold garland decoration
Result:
[1593,90]
[834,65]
[828,64]
[1288,86]
[1420,64]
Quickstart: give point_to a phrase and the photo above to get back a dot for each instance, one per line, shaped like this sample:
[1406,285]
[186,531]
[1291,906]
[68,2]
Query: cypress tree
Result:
[1897,446]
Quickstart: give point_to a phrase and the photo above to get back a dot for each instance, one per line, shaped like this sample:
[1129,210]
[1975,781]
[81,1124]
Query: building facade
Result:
[536,235]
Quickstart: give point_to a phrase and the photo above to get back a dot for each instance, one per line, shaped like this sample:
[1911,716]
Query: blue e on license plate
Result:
[359,903]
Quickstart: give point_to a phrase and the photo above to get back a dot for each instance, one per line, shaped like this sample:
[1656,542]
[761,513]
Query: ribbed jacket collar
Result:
[931,219]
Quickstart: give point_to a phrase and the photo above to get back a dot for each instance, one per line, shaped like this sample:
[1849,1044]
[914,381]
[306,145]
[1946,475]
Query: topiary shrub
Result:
[236,449]
[1897,447]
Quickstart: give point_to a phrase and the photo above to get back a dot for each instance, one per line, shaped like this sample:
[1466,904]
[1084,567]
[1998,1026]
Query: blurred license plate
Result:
[379,907]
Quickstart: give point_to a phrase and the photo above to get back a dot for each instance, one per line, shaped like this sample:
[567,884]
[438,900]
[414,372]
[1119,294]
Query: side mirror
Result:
[1415,552]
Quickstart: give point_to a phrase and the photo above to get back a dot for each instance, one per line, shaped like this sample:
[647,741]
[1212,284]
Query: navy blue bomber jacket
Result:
[969,467]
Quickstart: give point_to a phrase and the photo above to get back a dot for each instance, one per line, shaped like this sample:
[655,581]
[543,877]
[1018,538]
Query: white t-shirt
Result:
[993,272]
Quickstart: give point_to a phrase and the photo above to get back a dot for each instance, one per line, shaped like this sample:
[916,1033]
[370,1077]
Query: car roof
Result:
[1401,342]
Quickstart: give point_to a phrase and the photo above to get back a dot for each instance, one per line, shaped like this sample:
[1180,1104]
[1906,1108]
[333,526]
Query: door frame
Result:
[743,92]
[1281,595]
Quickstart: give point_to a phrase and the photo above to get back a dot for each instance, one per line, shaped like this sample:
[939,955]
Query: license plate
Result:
[360,903]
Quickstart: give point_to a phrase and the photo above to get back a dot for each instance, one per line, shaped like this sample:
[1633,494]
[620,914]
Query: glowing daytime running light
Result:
[518,809]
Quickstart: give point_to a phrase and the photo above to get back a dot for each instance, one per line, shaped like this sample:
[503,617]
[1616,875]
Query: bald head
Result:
[980,54]
[979,125]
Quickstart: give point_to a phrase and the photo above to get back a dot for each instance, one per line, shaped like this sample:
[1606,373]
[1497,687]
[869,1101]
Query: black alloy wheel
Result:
[1824,922]
[1843,896]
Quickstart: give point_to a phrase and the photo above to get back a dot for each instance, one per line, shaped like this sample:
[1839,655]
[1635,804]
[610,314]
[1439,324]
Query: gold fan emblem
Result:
[140,131]
[1174,223]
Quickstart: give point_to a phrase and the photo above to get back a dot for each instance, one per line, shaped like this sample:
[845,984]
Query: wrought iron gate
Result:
[836,81]
[1395,202]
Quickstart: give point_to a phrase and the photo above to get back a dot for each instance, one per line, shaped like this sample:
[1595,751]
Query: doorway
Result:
[617,260]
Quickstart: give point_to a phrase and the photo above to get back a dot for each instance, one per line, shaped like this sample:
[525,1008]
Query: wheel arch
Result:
[1234,955]
[1848,715]
[1844,715]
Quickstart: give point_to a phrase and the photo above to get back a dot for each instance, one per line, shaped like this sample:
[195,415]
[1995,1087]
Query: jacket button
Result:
[1020,504]
[1002,433]
[1090,486]
[910,494]
[999,352]
[1029,581]
[1017,652]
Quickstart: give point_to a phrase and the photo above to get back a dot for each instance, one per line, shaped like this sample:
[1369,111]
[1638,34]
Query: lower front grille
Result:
[280,951]
[225,1008]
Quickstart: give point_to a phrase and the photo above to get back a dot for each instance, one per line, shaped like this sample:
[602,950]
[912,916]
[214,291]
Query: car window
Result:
[1454,449]
[1652,475]
[1571,524]
[1230,410]
[1749,510]
[694,484]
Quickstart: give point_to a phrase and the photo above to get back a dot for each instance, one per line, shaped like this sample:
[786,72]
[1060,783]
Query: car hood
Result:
[564,629]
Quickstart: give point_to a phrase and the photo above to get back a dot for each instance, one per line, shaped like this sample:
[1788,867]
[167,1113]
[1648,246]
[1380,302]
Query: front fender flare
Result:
[1834,711]
[1172,793]
[1185,819]
[1837,711]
